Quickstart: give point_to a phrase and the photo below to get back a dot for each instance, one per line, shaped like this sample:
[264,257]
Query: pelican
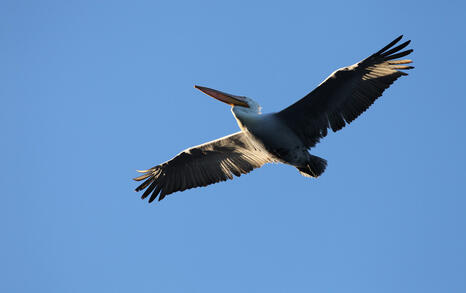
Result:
[281,137]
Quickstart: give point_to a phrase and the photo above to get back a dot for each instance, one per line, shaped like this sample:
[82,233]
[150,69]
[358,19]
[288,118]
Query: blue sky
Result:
[93,90]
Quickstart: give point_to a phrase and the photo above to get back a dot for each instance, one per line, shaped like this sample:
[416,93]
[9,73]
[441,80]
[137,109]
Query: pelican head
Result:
[238,103]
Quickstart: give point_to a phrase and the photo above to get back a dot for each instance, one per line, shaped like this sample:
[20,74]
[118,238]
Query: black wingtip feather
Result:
[144,184]
[389,45]
[399,55]
[155,193]
[396,49]
[149,190]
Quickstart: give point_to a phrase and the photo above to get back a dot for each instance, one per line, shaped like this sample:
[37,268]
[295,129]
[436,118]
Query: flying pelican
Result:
[281,137]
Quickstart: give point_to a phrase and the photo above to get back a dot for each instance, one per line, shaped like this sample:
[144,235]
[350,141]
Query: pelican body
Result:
[281,137]
[273,136]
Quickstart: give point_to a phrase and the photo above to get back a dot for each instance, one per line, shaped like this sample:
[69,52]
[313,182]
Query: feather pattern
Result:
[202,165]
[345,94]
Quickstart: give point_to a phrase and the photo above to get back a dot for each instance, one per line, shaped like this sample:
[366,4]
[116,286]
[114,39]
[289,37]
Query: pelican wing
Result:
[345,94]
[202,165]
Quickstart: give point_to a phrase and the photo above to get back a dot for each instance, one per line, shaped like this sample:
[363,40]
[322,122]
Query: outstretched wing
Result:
[345,94]
[202,165]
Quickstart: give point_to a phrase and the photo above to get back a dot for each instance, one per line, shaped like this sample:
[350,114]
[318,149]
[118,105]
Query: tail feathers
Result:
[314,167]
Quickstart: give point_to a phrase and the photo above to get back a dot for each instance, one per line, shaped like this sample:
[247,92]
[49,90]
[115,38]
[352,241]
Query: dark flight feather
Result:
[345,94]
[202,165]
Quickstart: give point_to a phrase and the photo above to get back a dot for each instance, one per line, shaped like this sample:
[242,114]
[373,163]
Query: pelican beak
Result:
[224,97]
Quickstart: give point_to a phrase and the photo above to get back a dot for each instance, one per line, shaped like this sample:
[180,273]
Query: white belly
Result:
[275,137]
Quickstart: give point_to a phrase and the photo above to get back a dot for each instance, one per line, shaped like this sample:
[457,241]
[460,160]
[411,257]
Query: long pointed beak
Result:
[221,96]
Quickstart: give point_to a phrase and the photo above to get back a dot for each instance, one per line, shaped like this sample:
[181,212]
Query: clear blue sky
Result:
[93,90]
